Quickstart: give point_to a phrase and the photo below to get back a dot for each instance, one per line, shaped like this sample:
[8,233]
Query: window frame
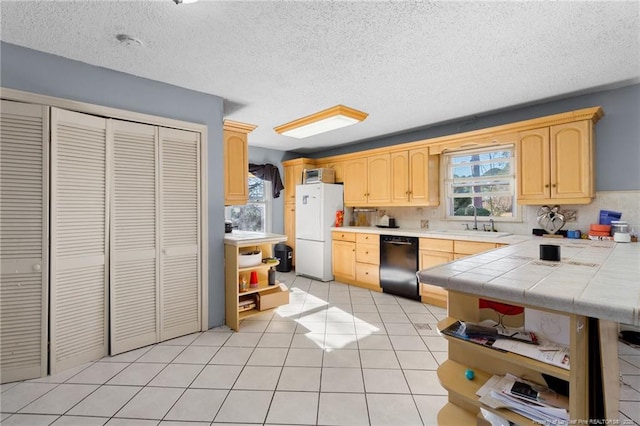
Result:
[447,182]
[267,202]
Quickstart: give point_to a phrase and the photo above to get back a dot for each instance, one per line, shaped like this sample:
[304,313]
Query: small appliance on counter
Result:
[228,226]
[387,222]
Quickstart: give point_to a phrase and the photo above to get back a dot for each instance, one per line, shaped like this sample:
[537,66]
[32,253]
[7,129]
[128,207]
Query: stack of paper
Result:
[511,340]
[496,393]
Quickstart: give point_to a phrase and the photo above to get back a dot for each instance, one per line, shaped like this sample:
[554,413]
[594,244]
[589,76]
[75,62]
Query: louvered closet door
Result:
[79,236]
[134,274]
[24,144]
[180,233]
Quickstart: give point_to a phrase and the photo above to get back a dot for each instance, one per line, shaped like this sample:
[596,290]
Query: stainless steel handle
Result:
[399,243]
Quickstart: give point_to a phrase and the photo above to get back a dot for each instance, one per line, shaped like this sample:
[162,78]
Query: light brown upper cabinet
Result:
[555,164]
[293,176]
[367,181]
[379,179]
[236,162]
[355,182]
[414,178]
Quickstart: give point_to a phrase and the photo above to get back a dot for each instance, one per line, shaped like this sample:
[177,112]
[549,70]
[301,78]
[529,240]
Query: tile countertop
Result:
[489,237]
[599,279]
[248,238]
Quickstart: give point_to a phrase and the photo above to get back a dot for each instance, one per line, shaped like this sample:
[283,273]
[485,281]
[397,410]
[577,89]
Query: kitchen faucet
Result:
[486,226]
[475,216]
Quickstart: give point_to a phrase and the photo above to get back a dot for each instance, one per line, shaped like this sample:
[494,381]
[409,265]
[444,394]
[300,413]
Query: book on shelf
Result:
[531,400]
[511,340]
[246,303]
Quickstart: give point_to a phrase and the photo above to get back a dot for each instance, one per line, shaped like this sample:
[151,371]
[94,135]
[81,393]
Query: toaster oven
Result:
[321,175]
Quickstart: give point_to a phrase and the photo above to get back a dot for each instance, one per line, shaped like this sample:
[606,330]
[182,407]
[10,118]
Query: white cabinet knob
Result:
[37,267]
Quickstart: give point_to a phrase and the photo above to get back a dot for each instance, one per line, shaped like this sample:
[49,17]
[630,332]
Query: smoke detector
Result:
[128,40]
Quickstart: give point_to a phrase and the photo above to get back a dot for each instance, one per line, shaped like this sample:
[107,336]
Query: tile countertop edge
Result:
[425,233]
[626,311]
[239,240]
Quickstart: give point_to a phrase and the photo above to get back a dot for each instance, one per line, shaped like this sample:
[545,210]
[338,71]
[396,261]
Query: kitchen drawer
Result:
[472,247]
[368,253]
[435,244]
[368,239]
[343,236]
[367,273]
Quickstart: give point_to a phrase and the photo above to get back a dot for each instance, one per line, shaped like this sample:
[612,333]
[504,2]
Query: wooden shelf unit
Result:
[486,362]
[233,275]
[452,376]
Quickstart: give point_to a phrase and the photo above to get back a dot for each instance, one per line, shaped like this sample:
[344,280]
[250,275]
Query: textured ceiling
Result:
[408,64]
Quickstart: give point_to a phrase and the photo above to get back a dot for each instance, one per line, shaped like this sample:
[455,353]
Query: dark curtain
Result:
[268,172]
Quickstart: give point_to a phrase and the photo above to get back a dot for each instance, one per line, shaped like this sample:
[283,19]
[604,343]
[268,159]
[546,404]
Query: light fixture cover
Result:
[320,122]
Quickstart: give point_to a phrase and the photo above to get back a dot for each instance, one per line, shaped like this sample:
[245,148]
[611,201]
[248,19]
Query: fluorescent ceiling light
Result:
[320,122]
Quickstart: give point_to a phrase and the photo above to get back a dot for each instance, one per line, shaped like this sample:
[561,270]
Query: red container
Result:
[253,281]
[339,218]
[600,228]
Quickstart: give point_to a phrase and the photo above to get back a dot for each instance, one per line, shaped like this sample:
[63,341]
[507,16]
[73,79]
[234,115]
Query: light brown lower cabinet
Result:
[356,259]
[344,260]
[434,252]
[290,229]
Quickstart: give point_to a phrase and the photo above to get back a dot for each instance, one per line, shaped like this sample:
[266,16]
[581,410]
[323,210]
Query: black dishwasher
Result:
[398,266]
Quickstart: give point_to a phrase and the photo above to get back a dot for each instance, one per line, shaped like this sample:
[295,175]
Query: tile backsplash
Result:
[626,202]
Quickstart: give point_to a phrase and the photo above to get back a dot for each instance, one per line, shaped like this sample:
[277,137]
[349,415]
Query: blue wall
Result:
[42,73]
[617,150]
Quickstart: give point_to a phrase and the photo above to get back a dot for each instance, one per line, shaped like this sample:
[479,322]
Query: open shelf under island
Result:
[579,288]
[263,296]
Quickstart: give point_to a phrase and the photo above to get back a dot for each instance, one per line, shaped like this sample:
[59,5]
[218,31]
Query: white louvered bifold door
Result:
[179,233]
[79,236]
[134,302]
[24,145]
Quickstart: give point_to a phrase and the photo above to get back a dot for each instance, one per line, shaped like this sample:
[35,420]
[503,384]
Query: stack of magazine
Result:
[533,401]
[511,340]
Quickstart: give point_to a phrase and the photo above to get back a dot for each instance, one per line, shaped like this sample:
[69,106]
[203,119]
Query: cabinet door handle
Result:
[554,185]
[366,252]
[546,186]
[366,273]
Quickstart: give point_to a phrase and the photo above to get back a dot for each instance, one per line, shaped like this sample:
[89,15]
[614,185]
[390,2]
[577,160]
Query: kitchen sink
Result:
[471,233]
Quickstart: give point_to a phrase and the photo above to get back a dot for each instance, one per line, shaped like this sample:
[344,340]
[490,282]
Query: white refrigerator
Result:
[316,206]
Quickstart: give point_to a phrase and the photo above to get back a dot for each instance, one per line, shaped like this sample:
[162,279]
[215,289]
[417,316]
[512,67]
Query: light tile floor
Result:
[336,355]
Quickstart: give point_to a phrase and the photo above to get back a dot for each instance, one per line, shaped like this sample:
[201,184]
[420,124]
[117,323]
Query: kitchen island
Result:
[244,252]
[595,285]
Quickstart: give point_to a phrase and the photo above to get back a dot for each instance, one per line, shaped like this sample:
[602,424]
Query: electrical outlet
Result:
[424,224]
[434,212]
